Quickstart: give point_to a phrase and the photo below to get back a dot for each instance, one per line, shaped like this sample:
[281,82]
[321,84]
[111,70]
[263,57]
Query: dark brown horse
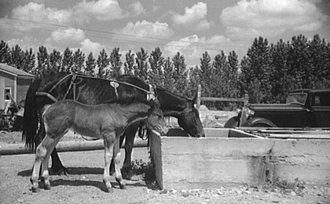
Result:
[89,90]
[107,122]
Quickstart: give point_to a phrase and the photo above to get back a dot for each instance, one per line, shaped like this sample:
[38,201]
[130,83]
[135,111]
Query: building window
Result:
[7,93]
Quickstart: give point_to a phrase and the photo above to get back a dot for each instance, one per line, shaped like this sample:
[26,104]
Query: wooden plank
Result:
[186,163]
[65,146]
[2,93]
[222,99]
[297,136]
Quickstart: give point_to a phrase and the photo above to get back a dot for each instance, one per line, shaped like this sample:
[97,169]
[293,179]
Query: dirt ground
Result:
[84,184]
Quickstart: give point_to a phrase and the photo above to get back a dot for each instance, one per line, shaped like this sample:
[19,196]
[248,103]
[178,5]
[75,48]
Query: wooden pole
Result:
[67,146]
[199,94]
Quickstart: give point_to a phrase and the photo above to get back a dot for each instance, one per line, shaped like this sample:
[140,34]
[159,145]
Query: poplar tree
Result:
[30,60]
[180,74]
[43,62]
[129,63]
[78,62]
[55,61]
[256,71]
[156,62]
[102,62]
[141,70]
[206,74]
[4,52]
[90,65]
[67,61]
[169,81]
[17,56]
[115,62]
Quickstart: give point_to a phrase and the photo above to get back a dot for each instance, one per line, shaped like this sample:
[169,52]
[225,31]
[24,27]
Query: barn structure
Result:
[13,83]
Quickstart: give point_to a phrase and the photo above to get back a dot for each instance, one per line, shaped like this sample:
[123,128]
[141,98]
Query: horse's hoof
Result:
[35,189]
[123,186]
[109,190]
[47,187]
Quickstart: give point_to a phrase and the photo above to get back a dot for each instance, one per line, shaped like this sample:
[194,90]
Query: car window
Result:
[321,99]
[297,98]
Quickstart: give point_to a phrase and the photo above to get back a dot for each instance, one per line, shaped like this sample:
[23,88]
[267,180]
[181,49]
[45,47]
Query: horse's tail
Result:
[30,117]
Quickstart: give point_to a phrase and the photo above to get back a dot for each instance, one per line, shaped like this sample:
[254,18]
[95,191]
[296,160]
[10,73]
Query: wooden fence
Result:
[244,99]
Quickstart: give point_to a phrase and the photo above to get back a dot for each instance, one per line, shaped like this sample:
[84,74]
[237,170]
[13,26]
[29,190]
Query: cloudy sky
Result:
[190,27]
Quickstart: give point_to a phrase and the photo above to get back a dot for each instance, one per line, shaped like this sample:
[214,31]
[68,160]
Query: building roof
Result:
[14,71]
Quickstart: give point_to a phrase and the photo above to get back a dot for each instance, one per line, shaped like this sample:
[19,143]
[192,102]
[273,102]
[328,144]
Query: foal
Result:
[107,121]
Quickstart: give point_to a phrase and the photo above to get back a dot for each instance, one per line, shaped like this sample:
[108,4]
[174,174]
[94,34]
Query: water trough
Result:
[233,157]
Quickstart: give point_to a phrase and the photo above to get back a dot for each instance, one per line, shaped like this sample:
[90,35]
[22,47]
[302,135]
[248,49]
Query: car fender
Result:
[258,122]
[232,122]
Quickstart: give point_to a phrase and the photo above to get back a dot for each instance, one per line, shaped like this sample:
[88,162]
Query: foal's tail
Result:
[30,117]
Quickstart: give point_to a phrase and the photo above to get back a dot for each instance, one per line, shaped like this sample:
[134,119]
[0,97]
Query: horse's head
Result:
[156,119]
[190,121]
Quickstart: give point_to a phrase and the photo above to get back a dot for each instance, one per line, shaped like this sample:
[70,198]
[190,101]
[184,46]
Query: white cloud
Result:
[144,31]
[137,8]
[192,47]
[69,37]
[87,46]
[25,42]
[269,17]
[102,10]
[39,13]
[194,16]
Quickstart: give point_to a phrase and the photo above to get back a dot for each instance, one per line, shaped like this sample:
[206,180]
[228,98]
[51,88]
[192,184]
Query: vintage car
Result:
[303,108]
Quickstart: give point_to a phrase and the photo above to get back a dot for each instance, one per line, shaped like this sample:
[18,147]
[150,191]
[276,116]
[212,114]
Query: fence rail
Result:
[215,99]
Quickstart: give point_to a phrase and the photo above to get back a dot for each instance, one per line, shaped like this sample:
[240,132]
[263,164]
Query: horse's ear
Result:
[193,101]
[153,106]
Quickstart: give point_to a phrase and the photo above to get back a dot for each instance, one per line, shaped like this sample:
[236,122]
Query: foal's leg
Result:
[40,158]
[44,167]
[57,166]
[108,140]
[116,158]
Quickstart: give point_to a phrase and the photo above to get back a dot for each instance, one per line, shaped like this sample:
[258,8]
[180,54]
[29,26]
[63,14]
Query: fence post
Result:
[199,93]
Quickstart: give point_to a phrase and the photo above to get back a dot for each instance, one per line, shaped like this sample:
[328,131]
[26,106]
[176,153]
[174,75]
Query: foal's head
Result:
[156,120]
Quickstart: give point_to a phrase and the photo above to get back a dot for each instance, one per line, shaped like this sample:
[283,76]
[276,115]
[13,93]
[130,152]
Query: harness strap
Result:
[70,86]
[150,93]
[48,95]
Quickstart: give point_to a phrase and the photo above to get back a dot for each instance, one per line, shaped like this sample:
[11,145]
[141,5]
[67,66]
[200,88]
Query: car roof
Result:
[310,90]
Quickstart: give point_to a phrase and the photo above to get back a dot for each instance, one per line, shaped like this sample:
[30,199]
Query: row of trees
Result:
[267,72]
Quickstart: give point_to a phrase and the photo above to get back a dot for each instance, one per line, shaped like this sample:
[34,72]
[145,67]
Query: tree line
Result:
[267,73]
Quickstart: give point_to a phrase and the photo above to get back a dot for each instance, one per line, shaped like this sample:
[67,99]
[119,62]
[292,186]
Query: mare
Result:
[90,90]
[105,121]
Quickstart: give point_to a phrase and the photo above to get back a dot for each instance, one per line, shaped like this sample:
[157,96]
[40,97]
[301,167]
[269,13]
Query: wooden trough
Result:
[229,157]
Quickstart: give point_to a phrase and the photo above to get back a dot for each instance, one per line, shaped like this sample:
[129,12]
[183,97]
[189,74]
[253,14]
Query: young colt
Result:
[107,121]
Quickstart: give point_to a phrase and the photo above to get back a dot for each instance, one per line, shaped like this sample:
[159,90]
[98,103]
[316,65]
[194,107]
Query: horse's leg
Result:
[129,142]
[57,165]
[40,159]
[108,140]
[116,158]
